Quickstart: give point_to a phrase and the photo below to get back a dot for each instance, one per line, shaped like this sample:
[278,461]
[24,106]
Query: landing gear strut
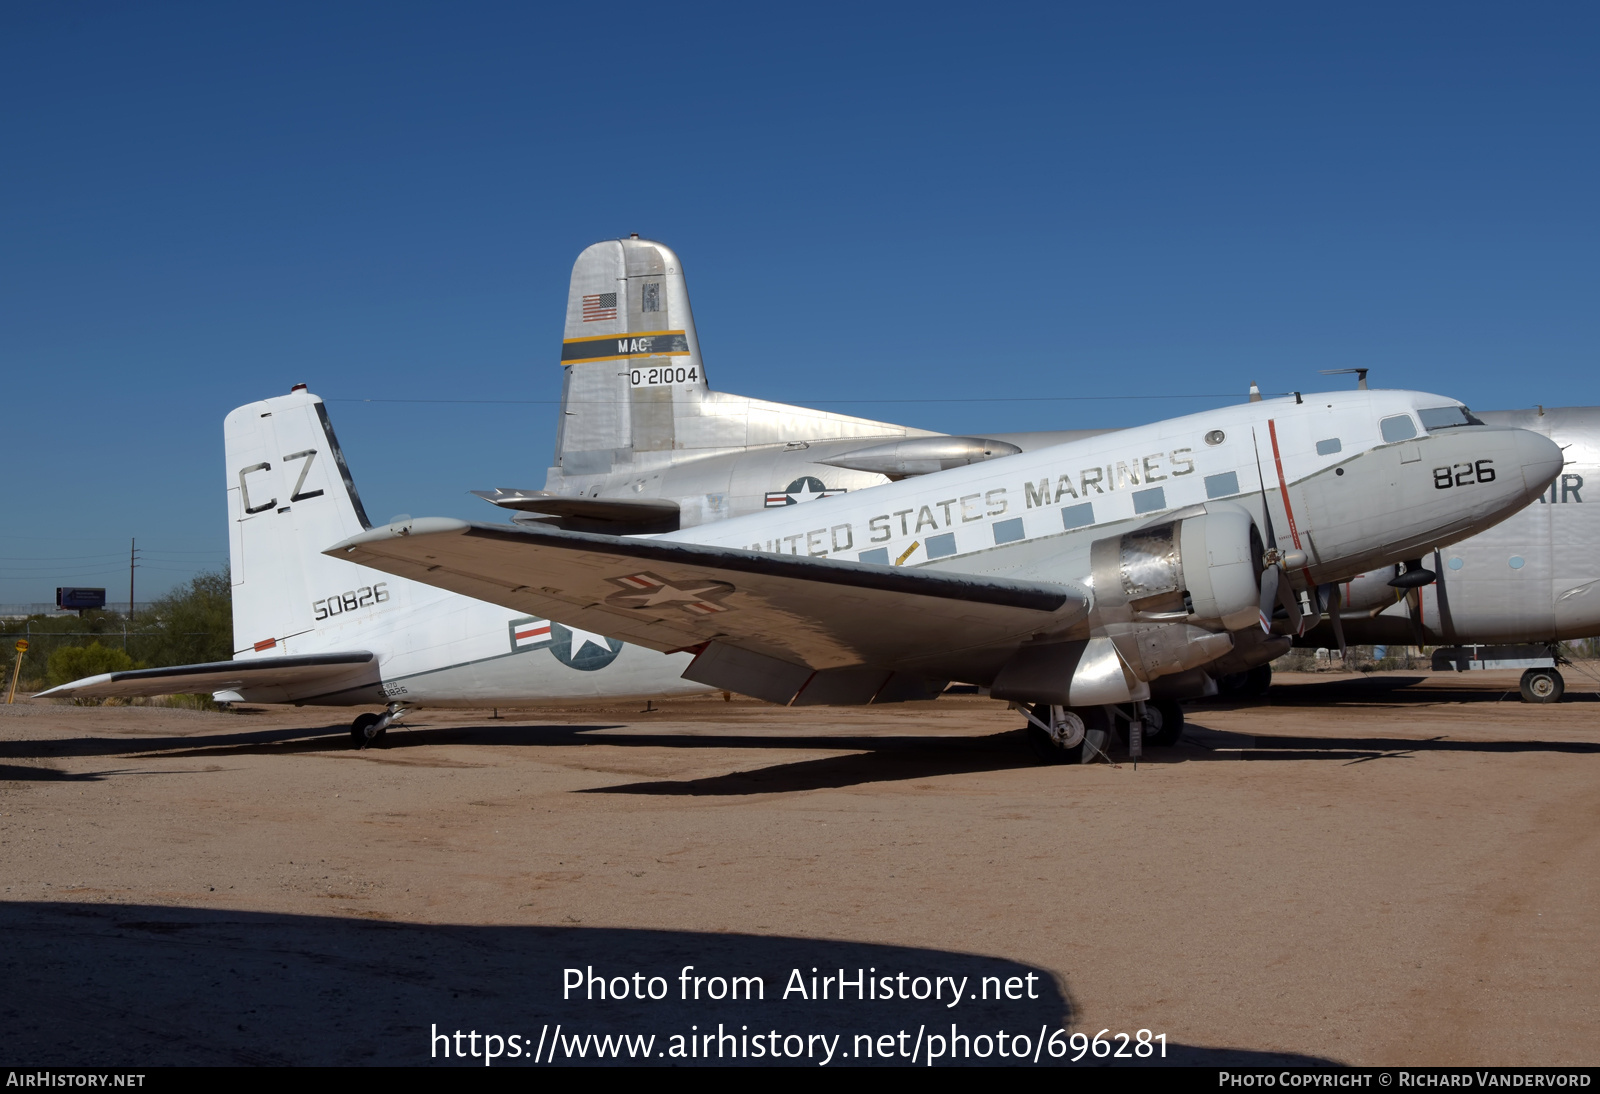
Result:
[370,729]
[1066,735]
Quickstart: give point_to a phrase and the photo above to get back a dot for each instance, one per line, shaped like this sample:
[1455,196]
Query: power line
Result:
[826,402]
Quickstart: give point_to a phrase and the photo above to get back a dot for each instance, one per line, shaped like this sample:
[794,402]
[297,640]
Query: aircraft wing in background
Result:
[257,672]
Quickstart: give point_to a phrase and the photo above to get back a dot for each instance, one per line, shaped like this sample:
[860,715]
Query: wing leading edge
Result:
[810,614]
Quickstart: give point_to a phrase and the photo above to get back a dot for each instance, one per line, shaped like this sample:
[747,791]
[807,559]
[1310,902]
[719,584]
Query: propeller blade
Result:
[1447,625]
[1414,610]
[1272,537]
[1335,614]
[1291,604]
[1269,597]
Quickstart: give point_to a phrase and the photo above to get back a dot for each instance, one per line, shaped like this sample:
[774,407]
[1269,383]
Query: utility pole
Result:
[133,556]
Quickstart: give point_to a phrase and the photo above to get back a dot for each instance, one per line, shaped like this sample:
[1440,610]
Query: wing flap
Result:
[253,672]
[668,595]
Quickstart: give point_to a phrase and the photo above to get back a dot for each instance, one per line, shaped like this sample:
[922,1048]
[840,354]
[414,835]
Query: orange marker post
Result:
[22,648]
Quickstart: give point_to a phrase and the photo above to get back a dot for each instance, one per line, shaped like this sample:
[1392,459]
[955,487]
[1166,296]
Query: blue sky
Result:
[1051,216]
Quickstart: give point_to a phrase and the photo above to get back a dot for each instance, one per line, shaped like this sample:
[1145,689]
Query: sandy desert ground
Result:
[1395,869]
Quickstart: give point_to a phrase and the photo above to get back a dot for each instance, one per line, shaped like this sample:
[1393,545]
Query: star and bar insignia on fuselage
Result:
[806,488]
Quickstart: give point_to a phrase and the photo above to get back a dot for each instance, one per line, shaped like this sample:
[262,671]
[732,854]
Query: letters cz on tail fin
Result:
[290,495]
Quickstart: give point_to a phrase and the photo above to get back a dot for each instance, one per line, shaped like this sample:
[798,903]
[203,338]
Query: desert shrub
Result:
[71,663]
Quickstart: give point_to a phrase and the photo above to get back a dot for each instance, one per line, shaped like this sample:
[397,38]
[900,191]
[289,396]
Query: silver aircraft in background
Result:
[644,445]
[1532,579]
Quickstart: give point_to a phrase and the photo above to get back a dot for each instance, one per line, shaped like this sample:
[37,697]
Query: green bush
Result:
[71,663]
[191,625]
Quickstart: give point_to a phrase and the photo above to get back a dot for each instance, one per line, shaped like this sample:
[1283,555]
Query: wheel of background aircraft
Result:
[1096,735]
[1252,684]
[1165,723]
[1542,686]
[362,731]
[1257,681]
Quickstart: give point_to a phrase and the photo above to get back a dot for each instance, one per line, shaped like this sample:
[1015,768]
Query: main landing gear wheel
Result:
[368,729]
[1078,734]
[1163,723]
[1542,686]
[1252,684]
[1257,681]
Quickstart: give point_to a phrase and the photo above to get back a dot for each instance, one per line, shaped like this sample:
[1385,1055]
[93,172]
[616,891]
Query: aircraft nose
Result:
[1541,460]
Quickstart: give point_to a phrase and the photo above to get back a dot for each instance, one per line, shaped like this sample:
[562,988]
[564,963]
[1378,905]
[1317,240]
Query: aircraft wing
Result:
[666,595]
[254,672]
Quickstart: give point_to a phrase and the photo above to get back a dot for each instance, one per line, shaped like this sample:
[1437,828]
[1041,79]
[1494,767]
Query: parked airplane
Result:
[1534,578]
[634,453]
[644,445]
[1072,577]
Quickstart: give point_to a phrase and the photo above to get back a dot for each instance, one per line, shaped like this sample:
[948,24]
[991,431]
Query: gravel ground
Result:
[1402,868]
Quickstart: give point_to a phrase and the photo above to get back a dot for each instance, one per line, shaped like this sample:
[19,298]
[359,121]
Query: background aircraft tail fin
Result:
[290,496]
[635,395]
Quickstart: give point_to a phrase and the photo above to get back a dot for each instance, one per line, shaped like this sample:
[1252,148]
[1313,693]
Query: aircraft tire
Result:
[1542,686]
[359,728]
[1167,719]
[1096,736]
[1257,681]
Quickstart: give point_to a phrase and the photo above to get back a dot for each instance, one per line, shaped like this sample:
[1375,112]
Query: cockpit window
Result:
[1399,428]
[1446,417]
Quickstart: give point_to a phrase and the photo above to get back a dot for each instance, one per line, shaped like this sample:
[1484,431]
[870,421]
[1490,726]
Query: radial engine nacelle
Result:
[1165,598]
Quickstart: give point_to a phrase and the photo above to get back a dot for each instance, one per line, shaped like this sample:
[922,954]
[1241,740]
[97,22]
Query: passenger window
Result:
[1224,485]
[1328,447]
[1398,428]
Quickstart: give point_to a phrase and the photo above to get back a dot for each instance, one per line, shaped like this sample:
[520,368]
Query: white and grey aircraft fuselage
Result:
[1072,576]
[1532,578]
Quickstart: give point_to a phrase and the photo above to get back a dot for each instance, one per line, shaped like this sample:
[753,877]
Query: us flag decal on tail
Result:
[599,306]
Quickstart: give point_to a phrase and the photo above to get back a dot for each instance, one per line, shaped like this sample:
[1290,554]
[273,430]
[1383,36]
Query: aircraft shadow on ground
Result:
[864,759]
[1396,690]
[140,985]
[856,760]
[1200,743]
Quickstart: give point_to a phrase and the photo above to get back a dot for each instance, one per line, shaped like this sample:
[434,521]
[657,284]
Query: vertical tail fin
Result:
[636,396]
[630,351]
[289,496]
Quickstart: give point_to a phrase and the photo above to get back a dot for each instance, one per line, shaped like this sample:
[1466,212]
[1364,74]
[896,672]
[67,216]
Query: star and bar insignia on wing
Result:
[648,590]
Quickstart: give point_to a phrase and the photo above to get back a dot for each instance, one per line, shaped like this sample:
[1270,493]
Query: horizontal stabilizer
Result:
[612,516]
[817,613]
[922,455]
[254,672]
